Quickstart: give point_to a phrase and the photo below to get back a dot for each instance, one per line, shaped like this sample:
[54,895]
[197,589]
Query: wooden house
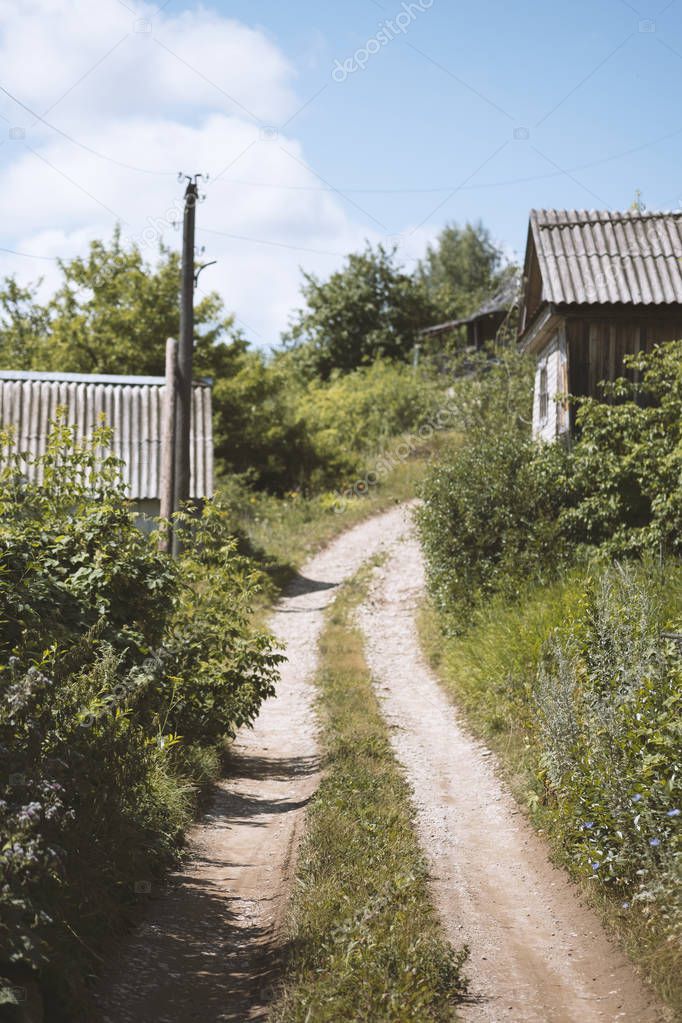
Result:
[597,286]
[483,325]
[131,405]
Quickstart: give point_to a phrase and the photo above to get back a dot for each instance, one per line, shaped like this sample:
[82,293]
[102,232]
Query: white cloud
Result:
[194,94]
[135,63]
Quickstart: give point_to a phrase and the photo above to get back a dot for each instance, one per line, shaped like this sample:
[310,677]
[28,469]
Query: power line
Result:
[322,188]
[448,188]
[264,241]
[29,255]
[82,145]
[208,230]
[221,234]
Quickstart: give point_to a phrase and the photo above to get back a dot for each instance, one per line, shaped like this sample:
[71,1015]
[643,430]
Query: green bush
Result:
[257,430]
[625,469]
[488,521]
[353,415]
[490,505]
[500,508]
[119,673]
[285,433]
[608,713]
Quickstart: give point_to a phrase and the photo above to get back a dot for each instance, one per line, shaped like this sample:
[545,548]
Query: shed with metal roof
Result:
[483,325]
[132,406]
[597,286]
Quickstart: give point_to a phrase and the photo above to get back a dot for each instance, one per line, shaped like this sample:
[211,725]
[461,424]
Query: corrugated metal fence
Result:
[132,407]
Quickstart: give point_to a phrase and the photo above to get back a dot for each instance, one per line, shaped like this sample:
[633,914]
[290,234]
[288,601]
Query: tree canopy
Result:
[461,269]
[367,310]
[111,313]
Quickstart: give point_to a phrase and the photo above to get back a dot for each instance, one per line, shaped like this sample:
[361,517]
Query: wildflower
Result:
[626,905]
[30,813]
[636,798]
[595,865]
[654,841]
[587,825]
[673,813]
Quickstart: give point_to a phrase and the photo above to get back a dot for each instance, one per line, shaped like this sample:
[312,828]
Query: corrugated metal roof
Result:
[599,257]
[501,301]
[132,407]
[90,378]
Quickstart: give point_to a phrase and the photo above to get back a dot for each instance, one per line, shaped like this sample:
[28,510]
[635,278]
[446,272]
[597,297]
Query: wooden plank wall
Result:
[597,347]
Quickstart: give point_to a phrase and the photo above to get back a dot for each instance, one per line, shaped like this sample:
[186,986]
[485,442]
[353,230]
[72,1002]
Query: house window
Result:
[544,395]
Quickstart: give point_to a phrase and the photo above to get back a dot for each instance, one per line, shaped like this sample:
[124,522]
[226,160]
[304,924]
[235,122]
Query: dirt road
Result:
[208,949]
[210,946]
[537,954]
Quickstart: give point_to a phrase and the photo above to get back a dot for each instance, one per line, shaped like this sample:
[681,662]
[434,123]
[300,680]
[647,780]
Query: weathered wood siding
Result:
[597,345]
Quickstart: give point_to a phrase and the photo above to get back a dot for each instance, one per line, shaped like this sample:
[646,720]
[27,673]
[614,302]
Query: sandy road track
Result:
[537,954]
[208,949]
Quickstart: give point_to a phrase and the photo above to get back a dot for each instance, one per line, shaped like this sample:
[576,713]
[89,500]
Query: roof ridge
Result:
[611,217]
[113,379]
[613,255]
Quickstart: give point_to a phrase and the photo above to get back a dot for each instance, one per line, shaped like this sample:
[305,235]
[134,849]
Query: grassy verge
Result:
[618,778]
[365,941]
[489,671]
[282,533]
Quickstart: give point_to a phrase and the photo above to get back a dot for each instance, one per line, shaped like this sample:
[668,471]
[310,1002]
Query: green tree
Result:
[461,270]
[111,313]
[23,325]
[256,429]
[369,309]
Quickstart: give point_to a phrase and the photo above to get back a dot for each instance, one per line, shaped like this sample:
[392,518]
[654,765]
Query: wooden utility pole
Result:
[183,418]
[168,446]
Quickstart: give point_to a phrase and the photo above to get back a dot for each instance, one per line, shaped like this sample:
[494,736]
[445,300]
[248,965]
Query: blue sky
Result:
[404,122]
[462,112]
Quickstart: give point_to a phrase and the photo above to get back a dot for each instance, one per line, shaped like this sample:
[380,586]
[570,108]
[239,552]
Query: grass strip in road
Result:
[365,940]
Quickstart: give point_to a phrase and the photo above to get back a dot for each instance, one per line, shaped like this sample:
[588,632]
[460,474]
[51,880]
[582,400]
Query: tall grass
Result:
[579,692]
[490,667]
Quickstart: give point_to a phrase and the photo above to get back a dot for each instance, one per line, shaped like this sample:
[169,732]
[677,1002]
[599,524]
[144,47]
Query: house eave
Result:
[539,331]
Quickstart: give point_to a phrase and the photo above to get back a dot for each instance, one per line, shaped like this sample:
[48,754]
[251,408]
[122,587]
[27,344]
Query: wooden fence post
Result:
[168,446]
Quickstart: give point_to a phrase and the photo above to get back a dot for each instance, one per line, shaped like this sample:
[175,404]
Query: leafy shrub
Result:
[224,668]
[70,558]
[355,414]
[119,672]
[283,432]
[487,521]
[257,430]
[500,507]
[490,505]
[625,474]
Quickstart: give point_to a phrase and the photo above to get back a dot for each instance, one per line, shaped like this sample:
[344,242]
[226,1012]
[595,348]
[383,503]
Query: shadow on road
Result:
[196,953]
